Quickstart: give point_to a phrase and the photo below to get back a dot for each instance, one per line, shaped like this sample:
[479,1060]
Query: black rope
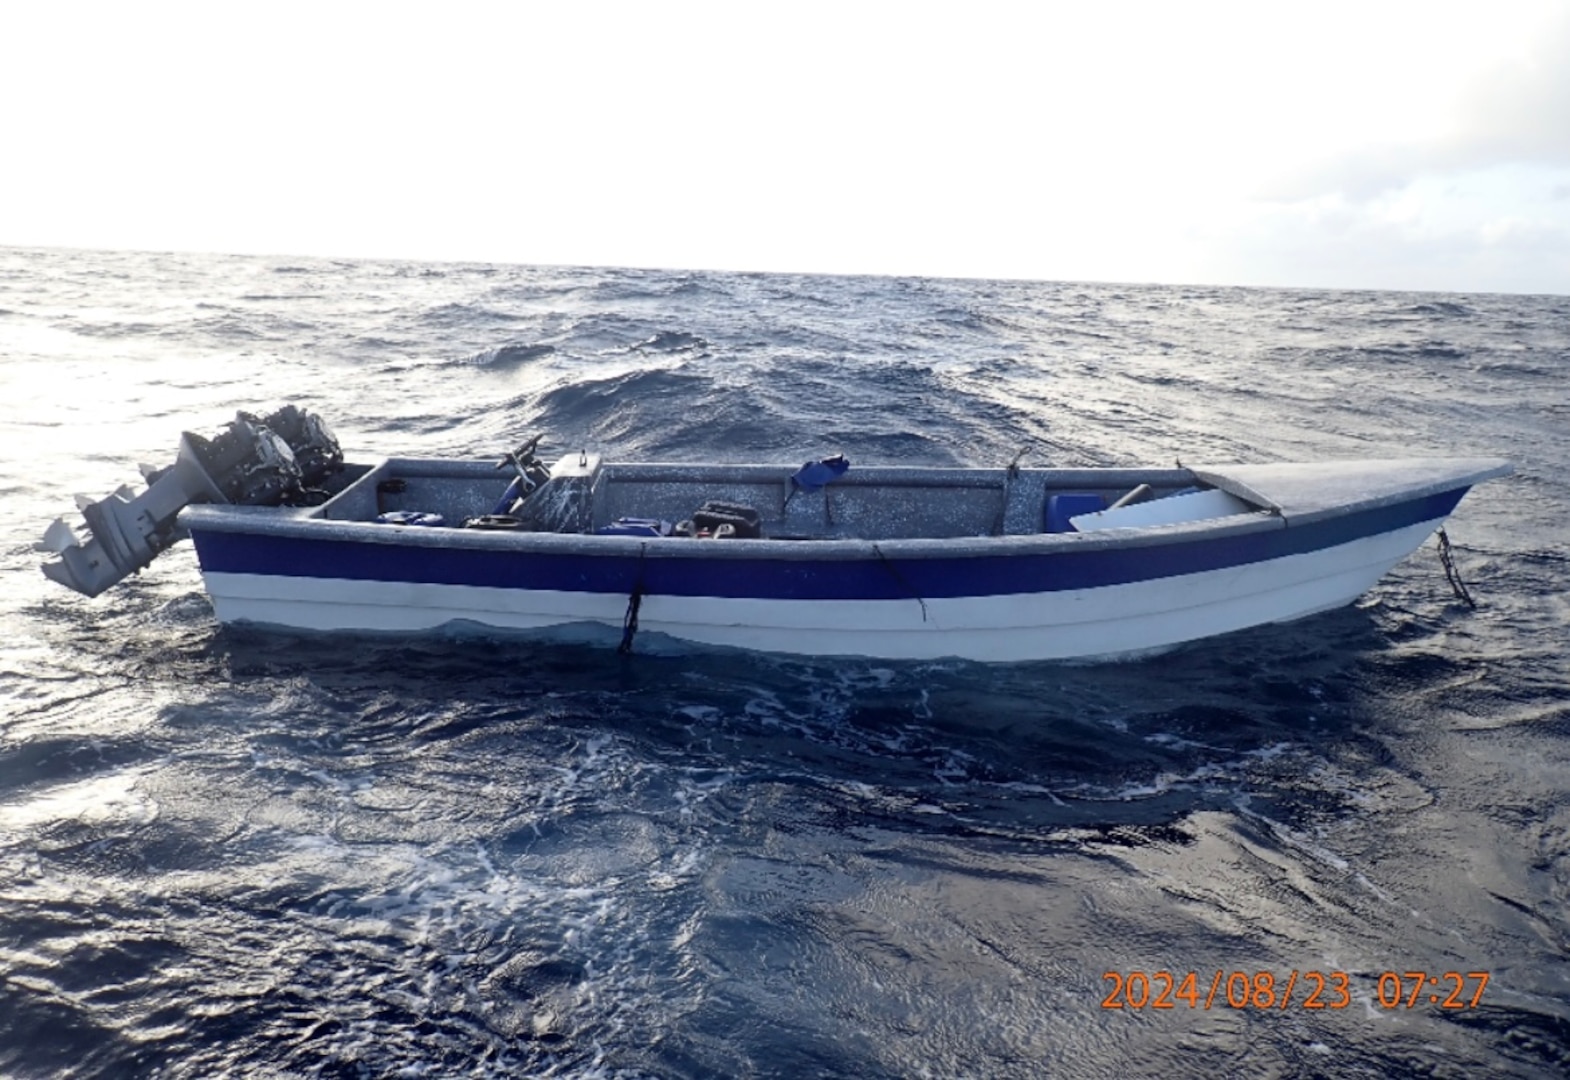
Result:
[1447,559]
[1010,474]
[899,577]
[1013,469]
[629,622]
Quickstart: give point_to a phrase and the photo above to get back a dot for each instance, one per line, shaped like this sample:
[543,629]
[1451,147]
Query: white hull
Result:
[1092,622]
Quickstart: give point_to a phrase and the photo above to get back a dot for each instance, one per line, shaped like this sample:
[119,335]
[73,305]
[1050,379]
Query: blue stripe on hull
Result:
[838,579]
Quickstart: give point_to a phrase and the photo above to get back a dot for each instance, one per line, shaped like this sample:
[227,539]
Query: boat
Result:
[999,564]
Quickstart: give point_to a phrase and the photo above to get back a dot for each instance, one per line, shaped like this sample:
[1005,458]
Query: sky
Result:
[1377,144]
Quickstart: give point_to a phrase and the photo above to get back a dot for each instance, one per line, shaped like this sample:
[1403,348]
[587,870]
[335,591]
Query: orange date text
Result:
[1288,990]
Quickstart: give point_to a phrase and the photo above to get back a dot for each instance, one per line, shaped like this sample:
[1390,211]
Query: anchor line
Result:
[1010,474]
[1447,560]
[899,577]
[629,622]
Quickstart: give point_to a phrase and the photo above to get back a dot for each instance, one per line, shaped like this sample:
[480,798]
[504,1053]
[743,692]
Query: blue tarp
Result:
[816,475]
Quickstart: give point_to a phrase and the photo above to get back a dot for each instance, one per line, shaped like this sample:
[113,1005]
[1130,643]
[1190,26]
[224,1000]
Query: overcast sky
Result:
[1404,145]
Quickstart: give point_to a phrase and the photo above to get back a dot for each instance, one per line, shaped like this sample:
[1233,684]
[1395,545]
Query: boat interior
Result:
[585,495]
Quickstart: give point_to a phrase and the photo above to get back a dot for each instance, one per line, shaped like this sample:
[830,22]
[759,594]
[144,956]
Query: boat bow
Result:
[1305,492]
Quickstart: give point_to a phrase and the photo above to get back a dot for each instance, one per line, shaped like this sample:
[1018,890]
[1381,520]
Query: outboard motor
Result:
[253,461]
[312,442]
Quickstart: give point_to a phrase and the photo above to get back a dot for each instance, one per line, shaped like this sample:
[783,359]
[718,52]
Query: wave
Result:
[671,341]
[512,355]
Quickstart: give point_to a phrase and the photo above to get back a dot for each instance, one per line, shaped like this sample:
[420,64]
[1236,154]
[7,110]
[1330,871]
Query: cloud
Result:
[1475,198]
[1428,235]
[1513,113]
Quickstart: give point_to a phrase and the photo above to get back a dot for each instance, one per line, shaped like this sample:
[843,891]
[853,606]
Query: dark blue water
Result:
[231,853]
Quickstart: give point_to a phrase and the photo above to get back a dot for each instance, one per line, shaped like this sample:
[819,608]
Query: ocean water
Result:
[239,853]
